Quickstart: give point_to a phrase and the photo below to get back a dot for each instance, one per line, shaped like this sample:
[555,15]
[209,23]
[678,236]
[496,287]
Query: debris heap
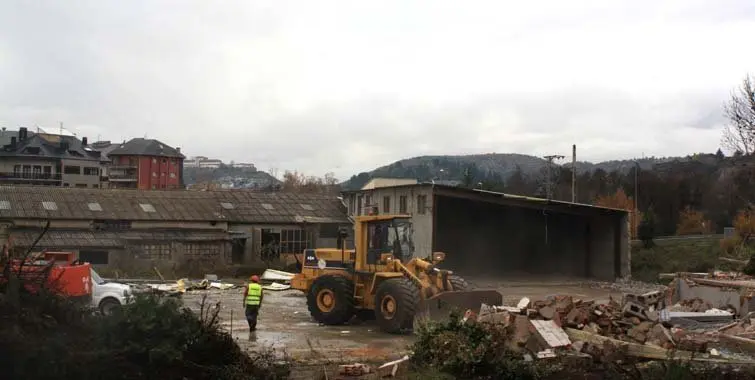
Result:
[639,324]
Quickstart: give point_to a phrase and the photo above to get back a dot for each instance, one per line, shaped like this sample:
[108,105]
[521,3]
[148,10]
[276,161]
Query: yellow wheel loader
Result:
[381,276]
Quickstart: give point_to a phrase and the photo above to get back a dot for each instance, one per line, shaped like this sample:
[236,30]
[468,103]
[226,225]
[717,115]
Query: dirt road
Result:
[285,324]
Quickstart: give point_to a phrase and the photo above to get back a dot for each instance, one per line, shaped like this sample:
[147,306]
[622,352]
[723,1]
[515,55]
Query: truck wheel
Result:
[331,300]
[457,283]
[396,303]
[108,306]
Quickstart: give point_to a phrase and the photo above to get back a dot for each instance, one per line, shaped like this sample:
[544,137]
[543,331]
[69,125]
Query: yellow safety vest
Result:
[254,294]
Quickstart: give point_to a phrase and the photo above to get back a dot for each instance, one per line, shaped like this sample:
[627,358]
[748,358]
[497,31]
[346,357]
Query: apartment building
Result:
[145,164]
[44,159]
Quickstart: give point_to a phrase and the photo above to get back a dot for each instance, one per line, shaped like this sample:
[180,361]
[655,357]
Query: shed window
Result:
[146,207]
[402,204]
[421,204]
[295,241]
[4,205]
[94,257]
[94,206]
[154,252]
[72,170]
[49,206]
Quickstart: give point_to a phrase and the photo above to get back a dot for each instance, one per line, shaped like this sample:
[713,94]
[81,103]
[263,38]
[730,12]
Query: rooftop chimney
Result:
[22,133]
[178,149]
[84,141]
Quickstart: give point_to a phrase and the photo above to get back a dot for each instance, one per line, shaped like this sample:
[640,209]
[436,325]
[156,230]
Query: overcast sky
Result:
[346,86]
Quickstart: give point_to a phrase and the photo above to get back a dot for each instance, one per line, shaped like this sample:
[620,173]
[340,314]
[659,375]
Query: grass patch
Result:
[667,256]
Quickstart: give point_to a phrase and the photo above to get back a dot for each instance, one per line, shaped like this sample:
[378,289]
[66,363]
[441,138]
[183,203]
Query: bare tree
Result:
[739,134]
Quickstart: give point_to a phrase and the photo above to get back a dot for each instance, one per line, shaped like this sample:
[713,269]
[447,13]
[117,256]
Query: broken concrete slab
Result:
[276,275]
[551,334]
[680,316]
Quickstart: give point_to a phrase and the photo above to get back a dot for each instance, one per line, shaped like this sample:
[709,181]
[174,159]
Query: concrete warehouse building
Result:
[134,230]
[488,233]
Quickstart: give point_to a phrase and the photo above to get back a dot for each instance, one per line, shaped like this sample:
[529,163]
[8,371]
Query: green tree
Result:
[646,229]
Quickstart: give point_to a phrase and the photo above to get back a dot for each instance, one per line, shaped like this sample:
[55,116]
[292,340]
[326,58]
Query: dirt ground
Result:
[285,325]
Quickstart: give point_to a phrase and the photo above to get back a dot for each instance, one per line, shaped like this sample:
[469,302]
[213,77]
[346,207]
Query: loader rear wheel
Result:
[331,300]
[396,302]
[457,283]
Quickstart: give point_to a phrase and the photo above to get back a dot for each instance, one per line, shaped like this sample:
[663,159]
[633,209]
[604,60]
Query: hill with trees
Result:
[487,168]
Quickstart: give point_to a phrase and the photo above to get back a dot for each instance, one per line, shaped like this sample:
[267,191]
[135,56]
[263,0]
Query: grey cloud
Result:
[192,73]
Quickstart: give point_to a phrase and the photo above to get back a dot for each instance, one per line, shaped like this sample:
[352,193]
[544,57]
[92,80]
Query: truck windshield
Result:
[402,238]
[96,278]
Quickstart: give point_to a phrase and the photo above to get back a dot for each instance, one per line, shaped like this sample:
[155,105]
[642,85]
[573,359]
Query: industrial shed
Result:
[503,235]
[131,229]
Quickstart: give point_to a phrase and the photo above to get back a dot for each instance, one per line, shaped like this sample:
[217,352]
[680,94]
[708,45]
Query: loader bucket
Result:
[440,306]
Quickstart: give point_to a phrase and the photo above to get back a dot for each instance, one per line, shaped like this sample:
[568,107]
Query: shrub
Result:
[48,337]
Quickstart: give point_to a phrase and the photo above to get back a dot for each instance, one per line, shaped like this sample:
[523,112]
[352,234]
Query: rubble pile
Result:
[744,327]
[639,326]
[625,285]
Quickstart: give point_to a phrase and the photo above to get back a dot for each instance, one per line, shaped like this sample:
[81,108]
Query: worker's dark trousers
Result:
[251,316]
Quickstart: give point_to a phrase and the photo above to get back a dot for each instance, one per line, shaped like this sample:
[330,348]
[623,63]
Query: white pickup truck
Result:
[109,296]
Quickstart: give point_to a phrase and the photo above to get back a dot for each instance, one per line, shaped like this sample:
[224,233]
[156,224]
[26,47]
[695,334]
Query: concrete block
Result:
[634,310]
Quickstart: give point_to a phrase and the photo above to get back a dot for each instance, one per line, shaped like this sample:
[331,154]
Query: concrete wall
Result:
[422,222]
[487,239]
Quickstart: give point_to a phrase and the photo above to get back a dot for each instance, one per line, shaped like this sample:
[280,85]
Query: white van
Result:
[109,296]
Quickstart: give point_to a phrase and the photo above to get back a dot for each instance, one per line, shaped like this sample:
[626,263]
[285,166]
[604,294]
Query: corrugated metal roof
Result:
[27,202]
[107,239]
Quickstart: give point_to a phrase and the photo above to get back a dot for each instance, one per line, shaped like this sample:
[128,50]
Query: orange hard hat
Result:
[254,278]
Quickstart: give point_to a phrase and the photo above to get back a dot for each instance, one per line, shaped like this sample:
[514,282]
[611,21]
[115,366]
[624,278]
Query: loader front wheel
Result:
[331,300]
[457,283]
[396,302]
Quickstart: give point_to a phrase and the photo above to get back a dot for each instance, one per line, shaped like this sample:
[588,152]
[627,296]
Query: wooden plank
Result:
[645,351]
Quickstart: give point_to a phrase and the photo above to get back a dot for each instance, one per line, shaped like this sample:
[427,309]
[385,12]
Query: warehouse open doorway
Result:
[486,234]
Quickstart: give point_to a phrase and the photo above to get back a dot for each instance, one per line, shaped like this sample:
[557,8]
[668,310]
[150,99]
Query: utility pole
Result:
[574,173]
[636,198]
[550,159]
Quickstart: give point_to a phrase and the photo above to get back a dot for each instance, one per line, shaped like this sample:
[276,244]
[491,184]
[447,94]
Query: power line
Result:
[548,191]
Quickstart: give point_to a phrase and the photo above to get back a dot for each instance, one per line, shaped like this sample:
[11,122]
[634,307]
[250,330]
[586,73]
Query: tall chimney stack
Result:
[84,141]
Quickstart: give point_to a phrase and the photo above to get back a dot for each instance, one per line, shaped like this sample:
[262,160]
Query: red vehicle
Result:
[64,274]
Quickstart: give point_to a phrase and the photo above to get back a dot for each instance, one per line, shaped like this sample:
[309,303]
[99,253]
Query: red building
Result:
[145,165]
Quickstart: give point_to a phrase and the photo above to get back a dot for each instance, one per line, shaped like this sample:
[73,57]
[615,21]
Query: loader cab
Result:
[387,237]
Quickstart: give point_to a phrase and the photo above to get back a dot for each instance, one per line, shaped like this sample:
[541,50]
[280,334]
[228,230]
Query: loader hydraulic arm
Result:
[399,267]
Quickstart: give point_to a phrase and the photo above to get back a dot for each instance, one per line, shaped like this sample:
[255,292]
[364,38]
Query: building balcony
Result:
[123,167]
[29,177]
[122,178]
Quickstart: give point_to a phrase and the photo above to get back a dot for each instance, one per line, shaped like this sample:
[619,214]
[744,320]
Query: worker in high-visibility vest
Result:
[252,301]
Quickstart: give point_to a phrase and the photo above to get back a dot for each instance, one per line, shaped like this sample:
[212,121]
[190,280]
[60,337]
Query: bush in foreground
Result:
[43,336]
